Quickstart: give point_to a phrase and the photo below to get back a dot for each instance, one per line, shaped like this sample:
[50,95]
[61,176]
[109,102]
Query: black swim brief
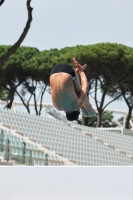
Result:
[63,68]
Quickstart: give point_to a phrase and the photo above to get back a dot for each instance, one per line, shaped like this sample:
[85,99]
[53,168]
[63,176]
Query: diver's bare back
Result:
[62,91]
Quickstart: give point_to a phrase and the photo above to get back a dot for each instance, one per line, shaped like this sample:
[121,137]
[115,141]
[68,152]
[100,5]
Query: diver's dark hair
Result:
[73,115]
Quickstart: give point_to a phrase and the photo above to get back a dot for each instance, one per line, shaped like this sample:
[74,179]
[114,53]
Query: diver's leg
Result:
[88,107]
[84,112]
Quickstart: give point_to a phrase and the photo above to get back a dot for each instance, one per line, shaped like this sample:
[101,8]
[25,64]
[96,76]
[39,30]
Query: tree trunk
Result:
[99,119]
[26,104]
[128,117]
[42,98]
[1,2]
[12,50]
[9,105]
[86,120]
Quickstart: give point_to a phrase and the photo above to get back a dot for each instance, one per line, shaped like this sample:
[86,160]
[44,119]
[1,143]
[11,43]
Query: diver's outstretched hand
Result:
[79,67]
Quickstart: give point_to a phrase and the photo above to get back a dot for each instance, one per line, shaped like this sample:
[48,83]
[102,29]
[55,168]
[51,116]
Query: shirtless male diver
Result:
[68,94]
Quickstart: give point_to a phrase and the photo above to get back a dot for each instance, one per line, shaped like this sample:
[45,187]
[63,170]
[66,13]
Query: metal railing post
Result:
[7,149]
[30,157]
[46,159]
[23,153]
[1,141]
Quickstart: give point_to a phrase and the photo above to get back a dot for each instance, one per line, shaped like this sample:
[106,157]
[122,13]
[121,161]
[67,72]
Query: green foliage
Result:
[15,67]
[4,94]
[107,120]
[100,57]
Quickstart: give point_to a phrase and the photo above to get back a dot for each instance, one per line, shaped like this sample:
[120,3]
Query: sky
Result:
[57,24]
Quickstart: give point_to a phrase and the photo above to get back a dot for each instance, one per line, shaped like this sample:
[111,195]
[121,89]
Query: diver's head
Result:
[72,115]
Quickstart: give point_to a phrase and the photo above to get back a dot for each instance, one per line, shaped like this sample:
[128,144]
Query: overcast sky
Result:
[57,23]
[61,23]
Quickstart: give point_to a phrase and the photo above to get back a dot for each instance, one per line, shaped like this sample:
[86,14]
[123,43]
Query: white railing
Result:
[119,130]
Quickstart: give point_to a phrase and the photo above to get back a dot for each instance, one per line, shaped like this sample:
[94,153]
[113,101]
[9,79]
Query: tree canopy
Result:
[110,71]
